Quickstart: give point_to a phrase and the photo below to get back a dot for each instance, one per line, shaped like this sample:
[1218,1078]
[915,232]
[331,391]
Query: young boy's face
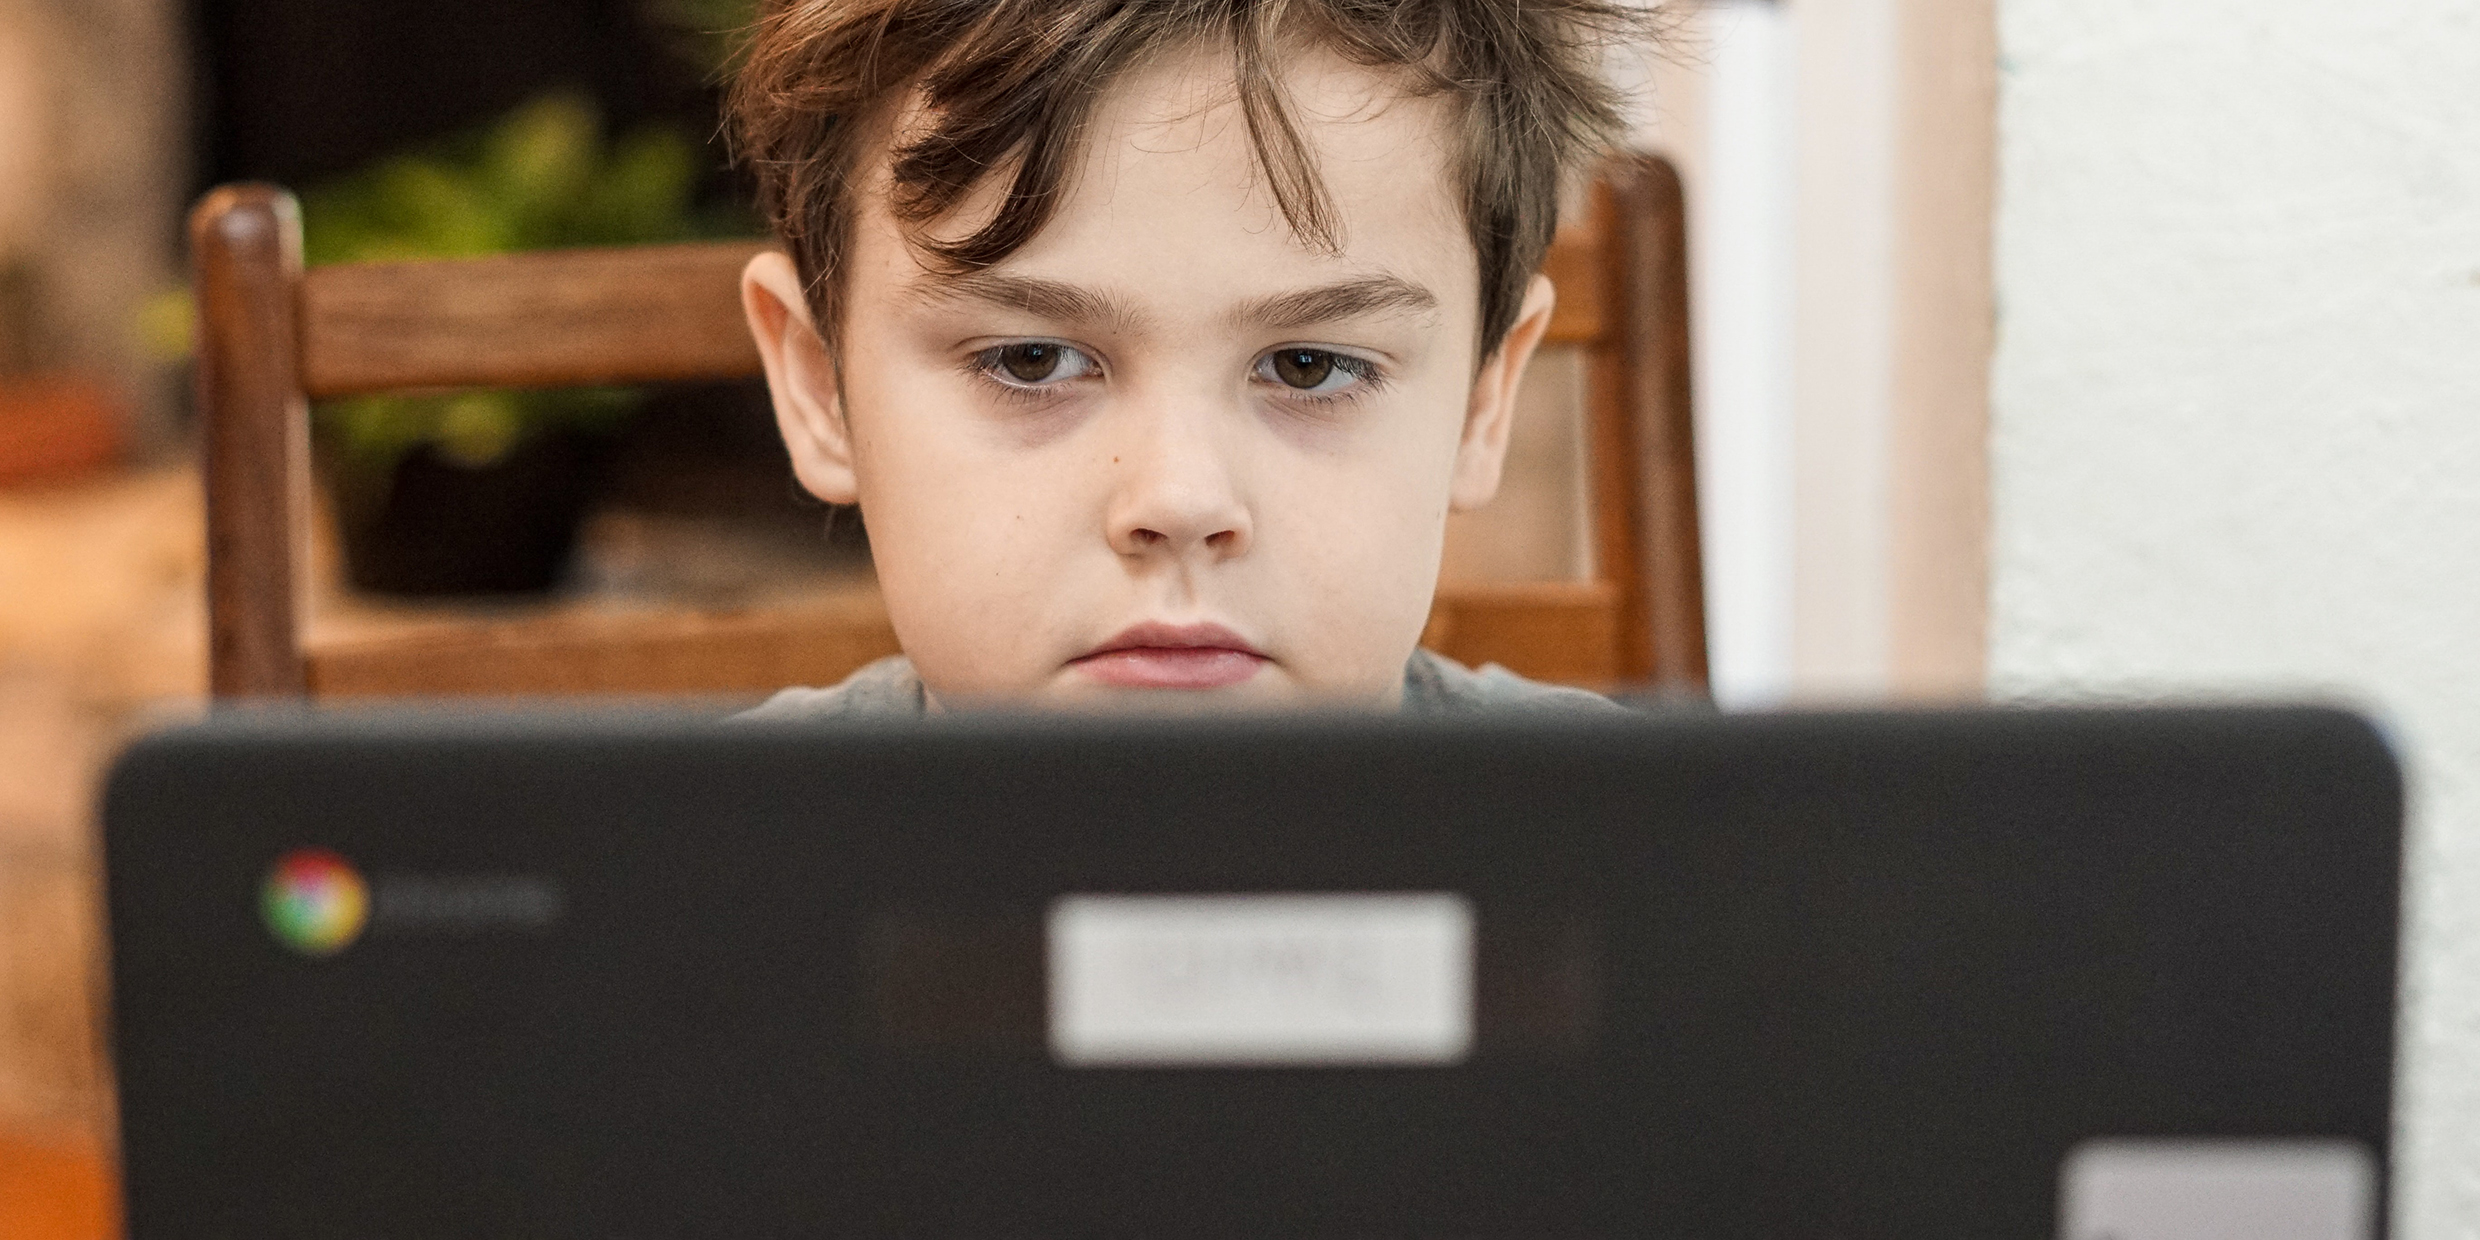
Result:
[1166,453]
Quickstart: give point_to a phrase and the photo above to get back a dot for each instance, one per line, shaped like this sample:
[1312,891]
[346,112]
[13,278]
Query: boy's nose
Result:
[1175,497]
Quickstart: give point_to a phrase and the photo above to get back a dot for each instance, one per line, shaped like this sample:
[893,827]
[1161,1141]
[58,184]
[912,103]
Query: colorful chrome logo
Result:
[314,901]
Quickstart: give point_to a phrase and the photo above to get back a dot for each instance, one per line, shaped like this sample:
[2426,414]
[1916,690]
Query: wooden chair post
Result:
[1644,428]
[245,247]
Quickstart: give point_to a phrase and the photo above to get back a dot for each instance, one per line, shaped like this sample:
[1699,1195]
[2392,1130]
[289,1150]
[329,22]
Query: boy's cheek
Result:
[977,572]
[972,627]
[1357,566]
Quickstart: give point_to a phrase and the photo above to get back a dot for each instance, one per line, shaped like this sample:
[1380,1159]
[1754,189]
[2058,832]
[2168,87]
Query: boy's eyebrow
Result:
[1331,302]
[1056,299]
[1049,299]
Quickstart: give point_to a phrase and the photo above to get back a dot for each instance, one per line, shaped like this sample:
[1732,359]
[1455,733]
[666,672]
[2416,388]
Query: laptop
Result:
[2085,974]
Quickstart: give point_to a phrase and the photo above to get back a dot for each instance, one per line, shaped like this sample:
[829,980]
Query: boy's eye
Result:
[1037,361]
[1303,368]
[1312,370]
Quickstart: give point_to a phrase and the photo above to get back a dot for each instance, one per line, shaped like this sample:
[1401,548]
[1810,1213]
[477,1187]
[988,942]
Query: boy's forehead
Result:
[1168,170]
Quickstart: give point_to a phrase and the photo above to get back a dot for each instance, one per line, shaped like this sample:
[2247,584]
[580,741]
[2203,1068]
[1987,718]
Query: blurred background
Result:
[410,129]
[2044,350]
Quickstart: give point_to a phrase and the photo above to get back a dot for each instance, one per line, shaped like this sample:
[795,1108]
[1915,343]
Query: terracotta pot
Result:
[56,427]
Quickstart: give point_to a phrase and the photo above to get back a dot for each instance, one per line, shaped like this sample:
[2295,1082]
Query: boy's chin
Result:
[1269,692]
[1266,692]
[1172,703]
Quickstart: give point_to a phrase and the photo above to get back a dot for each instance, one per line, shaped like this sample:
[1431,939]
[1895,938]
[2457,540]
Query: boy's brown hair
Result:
[1006,86]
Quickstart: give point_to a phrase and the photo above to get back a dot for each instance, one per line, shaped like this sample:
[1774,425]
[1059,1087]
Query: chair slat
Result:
[551,319]
[1561,631]
[579,317]
[754,650]
[1552,630]
[1578,265]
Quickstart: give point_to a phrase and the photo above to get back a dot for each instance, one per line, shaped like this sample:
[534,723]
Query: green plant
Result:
[543,176]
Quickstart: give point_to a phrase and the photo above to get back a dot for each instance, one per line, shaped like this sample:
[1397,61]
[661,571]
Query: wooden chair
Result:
[273,337]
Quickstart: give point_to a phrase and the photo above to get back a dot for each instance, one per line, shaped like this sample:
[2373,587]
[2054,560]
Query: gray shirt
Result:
[1433,685]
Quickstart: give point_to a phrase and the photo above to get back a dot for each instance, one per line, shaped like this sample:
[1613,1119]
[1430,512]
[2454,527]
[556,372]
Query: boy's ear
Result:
[1491,414]
[800,377]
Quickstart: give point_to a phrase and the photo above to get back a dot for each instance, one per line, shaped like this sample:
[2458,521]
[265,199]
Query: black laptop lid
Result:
[1847,976]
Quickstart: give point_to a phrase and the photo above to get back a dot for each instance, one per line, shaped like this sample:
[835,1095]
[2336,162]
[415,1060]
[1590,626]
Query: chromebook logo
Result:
[314,901]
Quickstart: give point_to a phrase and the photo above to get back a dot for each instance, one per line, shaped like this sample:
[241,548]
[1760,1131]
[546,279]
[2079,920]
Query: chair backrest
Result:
[273,337]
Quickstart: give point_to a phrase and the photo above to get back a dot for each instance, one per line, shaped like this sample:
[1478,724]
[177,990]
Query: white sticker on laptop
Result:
[1261,980]
[2223,1189]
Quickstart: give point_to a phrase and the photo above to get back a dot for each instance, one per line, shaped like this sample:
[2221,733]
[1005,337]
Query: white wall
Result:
[1837,158]
[1779,115]
[1730,117]
[2235,430]
[1845,337]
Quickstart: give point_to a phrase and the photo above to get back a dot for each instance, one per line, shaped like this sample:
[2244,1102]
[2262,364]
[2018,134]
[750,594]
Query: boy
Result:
[1156,339]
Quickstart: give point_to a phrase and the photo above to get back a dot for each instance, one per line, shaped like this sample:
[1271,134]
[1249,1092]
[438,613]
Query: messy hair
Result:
[1005,87]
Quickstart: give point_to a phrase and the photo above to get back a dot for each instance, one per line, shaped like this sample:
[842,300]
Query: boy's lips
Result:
[1172,656]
